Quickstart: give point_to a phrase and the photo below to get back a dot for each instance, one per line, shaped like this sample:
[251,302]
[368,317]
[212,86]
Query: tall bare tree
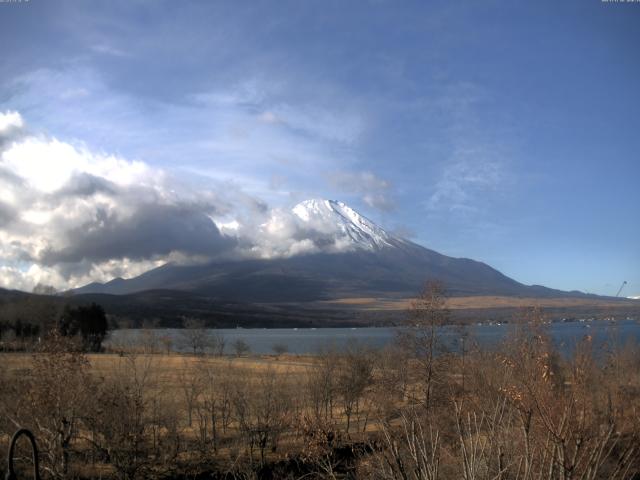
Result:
[355,374]
[420,337]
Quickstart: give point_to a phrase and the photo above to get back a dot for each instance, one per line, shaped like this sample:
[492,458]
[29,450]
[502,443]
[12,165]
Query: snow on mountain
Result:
[310,227]
[318,250]
[348,227]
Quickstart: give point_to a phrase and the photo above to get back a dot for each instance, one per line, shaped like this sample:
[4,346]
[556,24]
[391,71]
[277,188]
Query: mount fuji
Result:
[349,227]
[340,254]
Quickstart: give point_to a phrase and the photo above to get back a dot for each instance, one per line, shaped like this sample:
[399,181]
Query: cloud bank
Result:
[70,215]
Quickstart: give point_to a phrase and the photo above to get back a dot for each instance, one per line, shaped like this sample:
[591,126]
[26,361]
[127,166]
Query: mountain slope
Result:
[349,227]
[353,257]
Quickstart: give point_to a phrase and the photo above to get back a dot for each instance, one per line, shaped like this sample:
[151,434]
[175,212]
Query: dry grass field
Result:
[484,302]
[411,411]
[168,371]
[236,409]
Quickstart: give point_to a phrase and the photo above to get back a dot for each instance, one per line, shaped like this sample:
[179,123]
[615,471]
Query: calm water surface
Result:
[311,340]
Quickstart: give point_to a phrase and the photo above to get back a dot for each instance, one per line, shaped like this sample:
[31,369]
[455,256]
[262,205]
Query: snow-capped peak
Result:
[349,227]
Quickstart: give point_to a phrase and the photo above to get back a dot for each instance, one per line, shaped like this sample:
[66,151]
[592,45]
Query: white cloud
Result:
[335,125]
[48,164]
[9,121]
[371,189]
[248,131]
[106,49]
[466,183]
[281,232]
[69,215]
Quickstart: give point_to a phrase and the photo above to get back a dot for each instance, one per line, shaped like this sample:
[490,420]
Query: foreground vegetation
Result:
[413,411]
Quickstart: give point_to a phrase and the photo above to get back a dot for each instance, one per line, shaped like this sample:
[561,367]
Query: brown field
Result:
[169,369]
[519,413]
[484,302]
[173,382]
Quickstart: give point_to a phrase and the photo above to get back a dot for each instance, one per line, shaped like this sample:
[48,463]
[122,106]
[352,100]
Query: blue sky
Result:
[507,132]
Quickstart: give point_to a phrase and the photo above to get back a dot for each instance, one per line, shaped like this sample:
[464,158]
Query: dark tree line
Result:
[26,320]
[89,322]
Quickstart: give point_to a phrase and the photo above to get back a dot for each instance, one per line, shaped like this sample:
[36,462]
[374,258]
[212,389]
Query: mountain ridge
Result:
[352,257]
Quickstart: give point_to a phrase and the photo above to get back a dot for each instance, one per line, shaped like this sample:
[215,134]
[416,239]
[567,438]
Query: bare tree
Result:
[355,374]
[321,384]
[241,347]
[190,384]
[119,426]
[420,338]
[195,335]
[150,341]
[263,411]
[391,381]
[210,403]
[57,398]
[226,381]
[412,452]
[218,343]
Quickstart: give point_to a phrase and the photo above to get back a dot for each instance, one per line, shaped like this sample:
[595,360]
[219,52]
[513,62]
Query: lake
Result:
[311,340]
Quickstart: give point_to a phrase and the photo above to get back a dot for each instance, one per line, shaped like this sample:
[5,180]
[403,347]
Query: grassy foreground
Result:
[412,411]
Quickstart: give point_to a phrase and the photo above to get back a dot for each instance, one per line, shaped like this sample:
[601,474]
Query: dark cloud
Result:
[9,182]
[7,214]
[11,128]
[86,185]
[153,230]
[103,217]
[8,177]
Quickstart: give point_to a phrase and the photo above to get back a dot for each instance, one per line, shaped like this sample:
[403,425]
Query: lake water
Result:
[311,340]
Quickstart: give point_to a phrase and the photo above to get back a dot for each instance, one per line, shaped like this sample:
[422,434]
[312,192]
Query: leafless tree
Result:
[411,452]
[355,374]
[150,341]
[263,411]
[210,403]
[321,383]
[241,347]
[218,343]
[195,335]
[428,312]
[226,380]
[391,381]
[190,384]
[58,395]
[120,423]
[55,394]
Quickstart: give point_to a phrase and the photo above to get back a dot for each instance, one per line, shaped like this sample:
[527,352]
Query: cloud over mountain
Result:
[68,215]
